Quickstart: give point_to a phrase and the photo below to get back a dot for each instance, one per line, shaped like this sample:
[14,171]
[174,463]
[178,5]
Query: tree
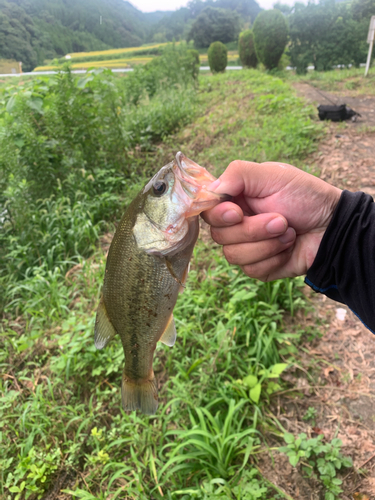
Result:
[217,57]
[246,49]
[214,25]
[270,37]
[326,34]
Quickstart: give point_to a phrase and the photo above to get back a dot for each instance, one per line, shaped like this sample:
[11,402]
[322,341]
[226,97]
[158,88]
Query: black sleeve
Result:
[344,267]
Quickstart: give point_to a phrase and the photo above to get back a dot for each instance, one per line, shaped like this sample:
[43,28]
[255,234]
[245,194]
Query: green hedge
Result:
[246,49]
[217,57]
[270,37]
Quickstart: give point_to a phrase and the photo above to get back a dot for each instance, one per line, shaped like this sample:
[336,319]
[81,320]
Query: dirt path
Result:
[337,373]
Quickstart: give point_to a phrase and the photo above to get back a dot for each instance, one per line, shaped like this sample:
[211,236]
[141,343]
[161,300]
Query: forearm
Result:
[344,267]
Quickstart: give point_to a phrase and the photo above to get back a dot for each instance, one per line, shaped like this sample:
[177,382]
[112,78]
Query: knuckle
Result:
[229,254]
[216,235]
[250,233]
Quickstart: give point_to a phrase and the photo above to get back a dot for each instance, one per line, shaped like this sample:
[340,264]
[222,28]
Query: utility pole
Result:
[370,40]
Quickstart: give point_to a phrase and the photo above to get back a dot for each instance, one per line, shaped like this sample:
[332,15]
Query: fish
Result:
[147,267]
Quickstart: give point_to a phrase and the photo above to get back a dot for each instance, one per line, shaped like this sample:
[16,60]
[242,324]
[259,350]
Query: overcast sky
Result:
[151,5]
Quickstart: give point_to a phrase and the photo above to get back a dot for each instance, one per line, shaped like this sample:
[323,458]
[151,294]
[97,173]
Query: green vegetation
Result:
[66,155]
[270,37]
[321,461]
[246,49]
[217,57]
[73,153]
[34,31]
[178,24]
[328,33]
[341,80]
[39,31]
[214,25]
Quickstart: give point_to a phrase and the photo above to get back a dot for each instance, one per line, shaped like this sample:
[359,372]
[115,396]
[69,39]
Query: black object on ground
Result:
[337,113]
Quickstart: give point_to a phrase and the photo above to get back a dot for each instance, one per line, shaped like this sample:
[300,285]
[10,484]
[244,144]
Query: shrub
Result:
[217,57]
[270,37]
[246,49]
[195,62]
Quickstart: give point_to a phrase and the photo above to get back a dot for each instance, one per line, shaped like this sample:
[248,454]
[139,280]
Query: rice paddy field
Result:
[123,58]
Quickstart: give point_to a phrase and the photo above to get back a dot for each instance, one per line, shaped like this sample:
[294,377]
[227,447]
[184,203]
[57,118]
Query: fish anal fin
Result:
[169,335]
[104,330]
[139,395]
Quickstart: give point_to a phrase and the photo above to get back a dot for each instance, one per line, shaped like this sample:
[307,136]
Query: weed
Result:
[310,414]
[322,460]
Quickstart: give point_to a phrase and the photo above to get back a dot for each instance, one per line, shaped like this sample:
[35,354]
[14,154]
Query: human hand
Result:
[274,226]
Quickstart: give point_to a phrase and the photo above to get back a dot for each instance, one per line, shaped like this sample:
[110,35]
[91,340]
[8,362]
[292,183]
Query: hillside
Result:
[43,29]
[33,31]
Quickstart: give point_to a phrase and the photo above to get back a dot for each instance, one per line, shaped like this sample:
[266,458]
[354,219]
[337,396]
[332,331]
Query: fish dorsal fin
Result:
[184,278]
[169,334]
[104,330]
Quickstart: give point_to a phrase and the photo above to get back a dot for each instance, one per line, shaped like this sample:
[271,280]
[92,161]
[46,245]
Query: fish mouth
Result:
[194,181]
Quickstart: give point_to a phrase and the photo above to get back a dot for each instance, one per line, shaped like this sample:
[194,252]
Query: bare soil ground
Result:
[337,372]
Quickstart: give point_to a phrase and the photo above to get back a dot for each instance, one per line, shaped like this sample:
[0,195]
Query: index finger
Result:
[223,215]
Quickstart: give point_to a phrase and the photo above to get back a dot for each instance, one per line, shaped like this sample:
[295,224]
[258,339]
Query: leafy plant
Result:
[264,379]
[324,460]
[310,414]
[214,442]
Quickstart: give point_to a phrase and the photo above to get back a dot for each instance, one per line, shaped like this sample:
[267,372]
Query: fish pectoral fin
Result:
[184,278]
[169,265]
[169,334]
[104,330]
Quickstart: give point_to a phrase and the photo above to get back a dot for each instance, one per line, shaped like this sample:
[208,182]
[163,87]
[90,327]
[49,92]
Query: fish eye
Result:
[159,188]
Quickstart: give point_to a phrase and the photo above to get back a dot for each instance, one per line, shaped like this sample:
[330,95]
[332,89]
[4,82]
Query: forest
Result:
[33,32]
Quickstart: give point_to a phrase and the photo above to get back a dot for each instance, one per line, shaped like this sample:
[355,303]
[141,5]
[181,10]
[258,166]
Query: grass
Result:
[251,116]
[61,422]
[351,81]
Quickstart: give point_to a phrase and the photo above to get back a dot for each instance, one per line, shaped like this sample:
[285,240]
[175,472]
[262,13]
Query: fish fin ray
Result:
[184,278]
[169,265]
[141,396]
[169,335]
[104,329]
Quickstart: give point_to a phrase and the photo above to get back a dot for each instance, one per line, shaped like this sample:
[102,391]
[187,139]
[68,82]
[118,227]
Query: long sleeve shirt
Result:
[344,267]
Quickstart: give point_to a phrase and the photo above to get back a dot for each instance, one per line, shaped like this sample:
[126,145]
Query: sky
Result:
[151,5]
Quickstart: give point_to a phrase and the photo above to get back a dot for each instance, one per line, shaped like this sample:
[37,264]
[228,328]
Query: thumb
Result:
[234,179]
[253,179]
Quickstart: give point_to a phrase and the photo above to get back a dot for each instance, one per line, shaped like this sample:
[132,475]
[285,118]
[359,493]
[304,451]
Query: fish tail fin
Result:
[139,395]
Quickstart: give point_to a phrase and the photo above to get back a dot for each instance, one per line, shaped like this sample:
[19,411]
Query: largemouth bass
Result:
[147,266]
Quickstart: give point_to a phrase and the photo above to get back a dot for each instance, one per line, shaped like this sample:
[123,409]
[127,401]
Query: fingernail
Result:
[231,217]
[288,236]
[214,185]
[276,226]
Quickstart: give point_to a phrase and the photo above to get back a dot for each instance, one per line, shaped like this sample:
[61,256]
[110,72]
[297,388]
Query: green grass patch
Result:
[350,80]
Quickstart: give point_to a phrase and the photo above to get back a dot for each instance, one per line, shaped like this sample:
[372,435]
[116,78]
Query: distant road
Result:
[127,70]
[114,70]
